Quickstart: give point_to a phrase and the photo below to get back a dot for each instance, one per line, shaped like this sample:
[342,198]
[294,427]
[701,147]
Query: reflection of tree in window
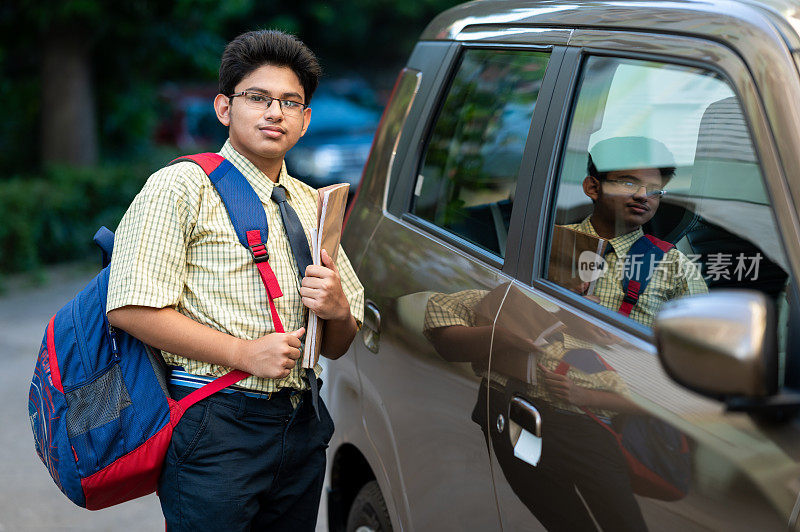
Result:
[476,147]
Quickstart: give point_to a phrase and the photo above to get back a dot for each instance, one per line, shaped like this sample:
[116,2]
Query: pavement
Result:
[29,500]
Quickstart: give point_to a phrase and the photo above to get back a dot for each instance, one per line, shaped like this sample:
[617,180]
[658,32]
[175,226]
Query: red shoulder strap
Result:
[663,245]
[633,287]
[207,161]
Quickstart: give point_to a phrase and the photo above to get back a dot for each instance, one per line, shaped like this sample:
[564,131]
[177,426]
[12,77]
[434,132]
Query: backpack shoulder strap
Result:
[663,245]
[250,223]
[639,267]
[246,213]
[241,201]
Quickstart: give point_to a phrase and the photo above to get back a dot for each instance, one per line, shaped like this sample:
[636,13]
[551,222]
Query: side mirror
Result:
[722,344]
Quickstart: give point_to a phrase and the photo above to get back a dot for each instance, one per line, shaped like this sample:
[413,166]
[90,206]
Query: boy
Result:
[253,455]
[625,181]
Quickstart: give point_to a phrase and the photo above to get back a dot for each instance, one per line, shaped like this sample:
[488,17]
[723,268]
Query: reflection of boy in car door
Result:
[626,179]
[577,455]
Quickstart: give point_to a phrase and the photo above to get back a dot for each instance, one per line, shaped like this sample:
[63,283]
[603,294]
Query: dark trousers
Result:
[241,463]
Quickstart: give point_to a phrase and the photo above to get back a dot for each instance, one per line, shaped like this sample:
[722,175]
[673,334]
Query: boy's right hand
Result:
[272,356]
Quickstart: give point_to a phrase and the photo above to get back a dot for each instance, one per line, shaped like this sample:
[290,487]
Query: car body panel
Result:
[426,414]
[725,442]
[417,405]
[741,479]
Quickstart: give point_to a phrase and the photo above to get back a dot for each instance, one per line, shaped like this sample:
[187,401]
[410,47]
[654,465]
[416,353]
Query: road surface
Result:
[29,500]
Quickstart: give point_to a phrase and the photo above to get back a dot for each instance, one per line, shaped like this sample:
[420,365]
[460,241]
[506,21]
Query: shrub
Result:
[52,217]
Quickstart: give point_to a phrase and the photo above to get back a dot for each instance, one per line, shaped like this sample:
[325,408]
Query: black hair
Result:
[667,172]
[254,49]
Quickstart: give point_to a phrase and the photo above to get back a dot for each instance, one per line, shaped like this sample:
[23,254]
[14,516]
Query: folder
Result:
[567,257]
[331,206]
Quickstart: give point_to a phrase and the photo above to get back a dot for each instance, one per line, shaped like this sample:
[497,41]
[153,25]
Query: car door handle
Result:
[524,414]
[525,430]
[371,331]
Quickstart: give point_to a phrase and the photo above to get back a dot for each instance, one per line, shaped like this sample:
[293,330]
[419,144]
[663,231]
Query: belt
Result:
[179,377]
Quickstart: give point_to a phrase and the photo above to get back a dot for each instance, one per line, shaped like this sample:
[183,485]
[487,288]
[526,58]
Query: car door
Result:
[448,240]
[590,383]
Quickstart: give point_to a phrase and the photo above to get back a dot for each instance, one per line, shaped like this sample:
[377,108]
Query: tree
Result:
[87,72]
[94,53]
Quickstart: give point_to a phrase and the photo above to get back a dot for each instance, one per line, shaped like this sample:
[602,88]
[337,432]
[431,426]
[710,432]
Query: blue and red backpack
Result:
[101,415]
[657,455]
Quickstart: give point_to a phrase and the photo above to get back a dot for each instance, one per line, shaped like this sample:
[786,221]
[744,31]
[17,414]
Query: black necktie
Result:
[302,256]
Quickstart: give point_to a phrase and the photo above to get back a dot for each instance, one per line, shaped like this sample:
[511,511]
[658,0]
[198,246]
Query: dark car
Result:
[192,124]
[337,143]
[493,385]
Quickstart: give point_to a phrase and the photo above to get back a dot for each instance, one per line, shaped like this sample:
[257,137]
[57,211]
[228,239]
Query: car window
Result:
[660,193]
[469,171]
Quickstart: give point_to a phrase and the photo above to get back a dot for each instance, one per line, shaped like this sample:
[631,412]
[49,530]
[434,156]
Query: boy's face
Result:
[617,206]
[260,134]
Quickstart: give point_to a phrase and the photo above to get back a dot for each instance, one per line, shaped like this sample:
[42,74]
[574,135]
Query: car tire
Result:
[368,512]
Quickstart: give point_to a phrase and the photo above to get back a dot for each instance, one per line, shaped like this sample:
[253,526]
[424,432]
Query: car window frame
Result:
[402,199]
[544,193]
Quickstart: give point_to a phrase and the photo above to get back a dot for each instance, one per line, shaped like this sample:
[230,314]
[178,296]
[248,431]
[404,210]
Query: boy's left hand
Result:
[321,290]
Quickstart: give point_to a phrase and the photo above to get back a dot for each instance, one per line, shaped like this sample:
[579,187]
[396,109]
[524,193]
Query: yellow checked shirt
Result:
[176,247]
[673,277]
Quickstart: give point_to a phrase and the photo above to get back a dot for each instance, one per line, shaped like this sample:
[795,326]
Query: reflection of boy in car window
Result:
[625,181]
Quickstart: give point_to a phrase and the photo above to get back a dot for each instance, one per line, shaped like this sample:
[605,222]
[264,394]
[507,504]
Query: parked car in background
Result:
[345,114]
[191,124]
[447,415]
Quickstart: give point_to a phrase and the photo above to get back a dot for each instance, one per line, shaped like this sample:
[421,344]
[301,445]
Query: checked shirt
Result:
[176,247]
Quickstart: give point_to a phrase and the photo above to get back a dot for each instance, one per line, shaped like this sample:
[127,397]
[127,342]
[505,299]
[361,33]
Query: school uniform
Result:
[254,454]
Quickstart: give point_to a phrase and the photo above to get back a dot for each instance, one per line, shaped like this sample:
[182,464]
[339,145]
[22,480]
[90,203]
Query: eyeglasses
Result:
[632,187]
[259,100]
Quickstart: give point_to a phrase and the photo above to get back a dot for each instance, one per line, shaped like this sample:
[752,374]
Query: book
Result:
[331,205]
[576,258]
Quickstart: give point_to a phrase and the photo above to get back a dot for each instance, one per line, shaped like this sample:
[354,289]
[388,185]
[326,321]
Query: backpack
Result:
[636,275]
[101,415]
[657,455]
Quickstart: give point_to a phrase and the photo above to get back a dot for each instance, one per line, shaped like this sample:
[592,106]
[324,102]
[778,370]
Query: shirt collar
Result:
[260,182]
[621,244]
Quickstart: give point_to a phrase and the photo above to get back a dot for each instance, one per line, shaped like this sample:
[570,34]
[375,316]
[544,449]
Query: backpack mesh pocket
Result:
[96,403]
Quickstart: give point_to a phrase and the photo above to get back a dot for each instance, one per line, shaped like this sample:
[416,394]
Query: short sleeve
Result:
[148,266]
[447,310]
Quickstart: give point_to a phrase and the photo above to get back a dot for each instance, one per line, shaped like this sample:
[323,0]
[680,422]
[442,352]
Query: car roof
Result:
[715,19]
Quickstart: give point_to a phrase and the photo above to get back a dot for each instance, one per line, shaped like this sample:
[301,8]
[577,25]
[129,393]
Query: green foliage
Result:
[478,140]
[368,36]
[52,217]
[135,48]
